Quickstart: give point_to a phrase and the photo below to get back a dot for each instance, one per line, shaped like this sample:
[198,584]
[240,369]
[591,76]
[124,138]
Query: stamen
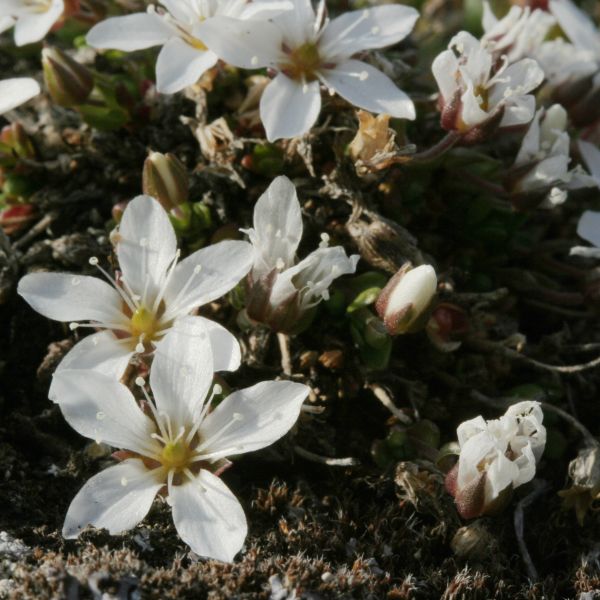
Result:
[164,286]
[235,418]
[217,454]
[173,308]
[95,263]
[217,389]
[142,384]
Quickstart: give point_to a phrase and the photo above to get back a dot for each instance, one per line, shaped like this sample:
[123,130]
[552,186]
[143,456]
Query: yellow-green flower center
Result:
[303,62]
[175,455]
[143,321]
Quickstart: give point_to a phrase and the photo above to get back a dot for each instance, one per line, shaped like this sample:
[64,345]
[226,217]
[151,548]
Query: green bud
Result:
[69,83]
[166,179]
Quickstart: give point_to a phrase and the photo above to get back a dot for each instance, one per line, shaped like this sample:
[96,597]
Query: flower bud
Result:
[166,179]
[584,493]
[447,323]
[68,82]
[404,301]
[14,144]
[472,541]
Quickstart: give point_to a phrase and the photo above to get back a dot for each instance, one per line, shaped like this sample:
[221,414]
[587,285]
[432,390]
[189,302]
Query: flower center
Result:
[303,62]
[143,321]
[482,94]
[175,455]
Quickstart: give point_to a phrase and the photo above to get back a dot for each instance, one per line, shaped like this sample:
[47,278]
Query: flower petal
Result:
[226,351]
[589,227]
[368,88]
[255,417]
[248,45]
[179,65]
[289,109]
[102,409]
[365,29]
[518,110]
[591,157]
[131,32]
[576,24]
[33,27]
[116,499]
[444,68]
[146,246]
[277,228]
[208,517]
[516,80]
[207,274]
[65,297]
[17,91]
[6,23]
[102,352]
[182,371]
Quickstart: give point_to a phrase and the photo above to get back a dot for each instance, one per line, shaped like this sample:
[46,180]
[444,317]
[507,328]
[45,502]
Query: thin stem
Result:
[284,348]
[324,460]
[439,149]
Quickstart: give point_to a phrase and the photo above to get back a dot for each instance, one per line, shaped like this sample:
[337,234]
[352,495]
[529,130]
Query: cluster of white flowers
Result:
[495,457]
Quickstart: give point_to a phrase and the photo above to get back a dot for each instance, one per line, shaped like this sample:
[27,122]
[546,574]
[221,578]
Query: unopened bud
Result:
[68,82]
[404,301]
[447,324]
[472,541]
[166,179]
[14,144]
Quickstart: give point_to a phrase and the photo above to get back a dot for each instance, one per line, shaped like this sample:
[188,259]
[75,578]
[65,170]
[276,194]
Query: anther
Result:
[140,381]
[93,260]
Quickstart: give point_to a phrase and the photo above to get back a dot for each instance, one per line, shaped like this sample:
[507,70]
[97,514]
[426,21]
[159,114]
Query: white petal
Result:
[102,409]
[315,274]
[364,29]
[589,227]
[182,371]
[518,111]
[131,32]
[116,499]
[208,517]
[244,44]
[6,23]
[277,227]
[444,68]
[102,352]
[258,416]
[17,91]
[517,79]
[366,87]
[530,146]
[501,473]
[65,297]
[213,271]
[289,109]
[298,25]
[146,246]
[33,27]
[576,24]
[417,288]
[472,114]
[226,351]
[586,252]
[179,65]
[591,157]
[468,429]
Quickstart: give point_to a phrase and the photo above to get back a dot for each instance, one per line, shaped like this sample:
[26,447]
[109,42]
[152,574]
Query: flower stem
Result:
[284,349]
[439,149]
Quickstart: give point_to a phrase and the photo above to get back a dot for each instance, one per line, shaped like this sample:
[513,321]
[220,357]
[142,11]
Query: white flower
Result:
[589,229]
[307,50]
[519,34]
[545,149]
[32,19]
[17,91]
[474,90]
[406,297]
[281,290]
[176,27]
[495,456]
[152,292]
[563,62]
[177,442]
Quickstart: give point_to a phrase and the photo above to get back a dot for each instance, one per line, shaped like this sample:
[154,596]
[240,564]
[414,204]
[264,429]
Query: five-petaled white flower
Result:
[474,89]
[495,457]
[176,27]
[282,292]
[177,442]
[543,159]
[152,292]
[32,19]
[17,91]
[306,50]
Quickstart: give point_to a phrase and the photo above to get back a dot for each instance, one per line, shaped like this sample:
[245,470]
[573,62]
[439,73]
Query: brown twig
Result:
[284,348]
[382,395]
[439,149]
